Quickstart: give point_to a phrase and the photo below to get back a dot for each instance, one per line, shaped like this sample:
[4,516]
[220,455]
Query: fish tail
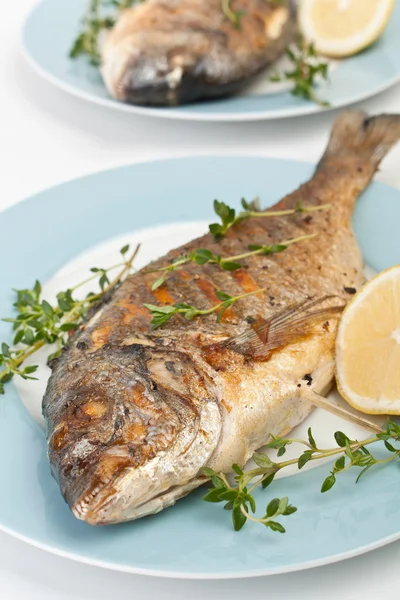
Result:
[361,139]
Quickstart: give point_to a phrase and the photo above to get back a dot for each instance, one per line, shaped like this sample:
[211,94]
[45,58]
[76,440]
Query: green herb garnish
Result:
[307,68]
[162,314]
[234,16]
[93,22]
[238,496]
[230,263]
[87,41]
[38,323]
[229,218]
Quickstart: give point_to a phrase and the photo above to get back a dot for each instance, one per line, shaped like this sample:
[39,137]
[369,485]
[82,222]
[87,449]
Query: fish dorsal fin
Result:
[286,327]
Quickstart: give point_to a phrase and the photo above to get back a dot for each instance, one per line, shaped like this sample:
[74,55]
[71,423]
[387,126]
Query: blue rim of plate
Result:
[193,539]
[53,24]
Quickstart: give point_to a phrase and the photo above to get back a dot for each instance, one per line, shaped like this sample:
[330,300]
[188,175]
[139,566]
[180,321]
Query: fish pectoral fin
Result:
[283,329]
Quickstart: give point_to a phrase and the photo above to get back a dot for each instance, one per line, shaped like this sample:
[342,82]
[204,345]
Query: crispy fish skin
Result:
[169,52]
[134,414]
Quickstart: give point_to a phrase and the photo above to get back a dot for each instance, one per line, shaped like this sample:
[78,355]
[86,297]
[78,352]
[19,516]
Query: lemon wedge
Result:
[341,28]
[368,347]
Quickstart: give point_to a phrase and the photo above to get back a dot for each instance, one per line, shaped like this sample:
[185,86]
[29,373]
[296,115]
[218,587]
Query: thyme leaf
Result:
[351,454]
[234,16]
[162,314]
[229,218]
[306,69]
[230,263]
[37,323]
[100,15]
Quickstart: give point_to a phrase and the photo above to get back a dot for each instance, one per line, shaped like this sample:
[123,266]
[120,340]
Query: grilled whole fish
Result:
[134,414]
[168,52]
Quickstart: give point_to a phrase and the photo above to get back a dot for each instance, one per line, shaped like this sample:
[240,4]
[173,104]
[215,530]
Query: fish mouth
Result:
[116,490]
[176,86]
[99,492]
[97,505]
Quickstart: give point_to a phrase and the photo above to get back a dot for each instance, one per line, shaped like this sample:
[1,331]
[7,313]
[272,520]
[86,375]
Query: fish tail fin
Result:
[366,139]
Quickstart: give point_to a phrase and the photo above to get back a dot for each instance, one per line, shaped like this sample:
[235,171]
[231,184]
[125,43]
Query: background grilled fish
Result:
[167,52]
[134,414]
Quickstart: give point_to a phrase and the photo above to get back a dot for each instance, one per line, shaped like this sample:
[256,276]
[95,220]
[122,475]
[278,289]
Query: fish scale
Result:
[134,414]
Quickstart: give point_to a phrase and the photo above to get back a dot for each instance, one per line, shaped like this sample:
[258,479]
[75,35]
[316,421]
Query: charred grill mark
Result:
[236,283]
[208,290]
[133,312]
[220,279]
[163,296]
[181,282]
[246,281]
[130,299]
[209,278]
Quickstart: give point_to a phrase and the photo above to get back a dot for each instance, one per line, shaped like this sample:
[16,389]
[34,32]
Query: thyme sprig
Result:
[38,323]
[162,314]
[307,69]
[239,500]
[204,256]
[234,16]
[351,454]
[93,22]
[229,217]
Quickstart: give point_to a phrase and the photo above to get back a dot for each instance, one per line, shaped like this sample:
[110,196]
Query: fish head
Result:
[130,429]
[158,74]
[166,53]
[149,58]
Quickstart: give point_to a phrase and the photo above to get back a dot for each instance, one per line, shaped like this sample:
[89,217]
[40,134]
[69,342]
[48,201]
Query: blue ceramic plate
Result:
[191,539]
[54,24]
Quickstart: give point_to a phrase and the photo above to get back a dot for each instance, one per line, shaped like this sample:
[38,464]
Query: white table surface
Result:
[47,137]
